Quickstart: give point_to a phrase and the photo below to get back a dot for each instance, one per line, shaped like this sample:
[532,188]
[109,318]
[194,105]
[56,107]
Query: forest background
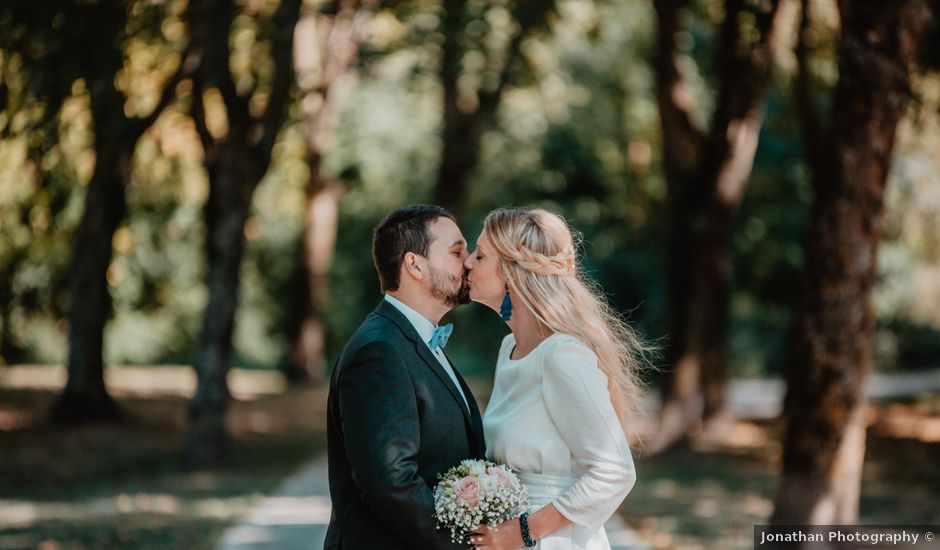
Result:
[196,183]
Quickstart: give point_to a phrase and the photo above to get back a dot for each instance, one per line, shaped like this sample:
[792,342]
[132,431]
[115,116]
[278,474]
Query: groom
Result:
[398,412]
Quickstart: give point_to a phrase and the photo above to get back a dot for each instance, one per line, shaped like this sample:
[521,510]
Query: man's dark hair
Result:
[404,230]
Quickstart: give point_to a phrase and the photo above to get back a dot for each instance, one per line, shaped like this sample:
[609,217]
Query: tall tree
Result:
[470,111]
[706,173]
[824,445]
[84,41]
[326,44]
[237,145]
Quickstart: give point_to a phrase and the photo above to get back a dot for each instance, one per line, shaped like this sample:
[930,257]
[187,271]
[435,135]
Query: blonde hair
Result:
[536,252]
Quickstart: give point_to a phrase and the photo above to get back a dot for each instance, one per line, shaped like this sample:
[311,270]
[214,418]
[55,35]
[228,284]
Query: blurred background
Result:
[188,191]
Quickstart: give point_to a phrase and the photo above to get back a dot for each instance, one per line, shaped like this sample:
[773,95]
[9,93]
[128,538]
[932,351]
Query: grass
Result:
[123,485]
[710,495]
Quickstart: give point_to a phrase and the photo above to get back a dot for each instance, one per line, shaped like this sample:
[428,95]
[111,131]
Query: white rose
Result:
[478,469]
[489,484]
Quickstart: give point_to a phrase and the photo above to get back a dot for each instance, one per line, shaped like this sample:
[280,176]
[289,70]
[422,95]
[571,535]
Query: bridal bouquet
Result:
[474,493]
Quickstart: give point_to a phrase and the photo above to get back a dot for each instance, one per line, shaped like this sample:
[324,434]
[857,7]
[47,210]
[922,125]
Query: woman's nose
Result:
[468,263]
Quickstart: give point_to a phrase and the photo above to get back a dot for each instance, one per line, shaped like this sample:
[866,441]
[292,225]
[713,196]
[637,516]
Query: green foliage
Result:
[577,132]
[767,247]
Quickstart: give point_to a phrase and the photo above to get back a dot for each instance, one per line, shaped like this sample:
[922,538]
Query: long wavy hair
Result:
[537,254]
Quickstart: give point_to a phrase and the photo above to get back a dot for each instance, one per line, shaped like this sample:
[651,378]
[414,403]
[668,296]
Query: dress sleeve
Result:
[578,402]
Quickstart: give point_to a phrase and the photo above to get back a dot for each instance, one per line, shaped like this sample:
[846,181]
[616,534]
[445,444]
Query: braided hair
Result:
[537,254]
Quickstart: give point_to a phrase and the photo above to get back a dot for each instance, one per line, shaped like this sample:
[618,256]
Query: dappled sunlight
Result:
[740,437]
[709,494]
[148,381]
[123,484]
[291,510]
[908,422]
[14,419]
[696,499]
[205,194]
[19,513]
[276,513]
[303,408]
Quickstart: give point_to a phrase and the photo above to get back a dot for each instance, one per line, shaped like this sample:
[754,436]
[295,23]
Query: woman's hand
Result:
[505,536]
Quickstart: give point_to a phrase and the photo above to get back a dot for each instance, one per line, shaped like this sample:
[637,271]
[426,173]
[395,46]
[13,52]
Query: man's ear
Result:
[412,266]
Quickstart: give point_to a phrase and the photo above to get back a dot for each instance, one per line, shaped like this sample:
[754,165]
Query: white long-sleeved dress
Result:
[550,418]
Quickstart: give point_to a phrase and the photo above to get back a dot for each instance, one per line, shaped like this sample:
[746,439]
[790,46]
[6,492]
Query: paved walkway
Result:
[296,517]
[299,513]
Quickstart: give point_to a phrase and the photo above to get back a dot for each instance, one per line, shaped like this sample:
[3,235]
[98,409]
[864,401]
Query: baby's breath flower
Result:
[494,498]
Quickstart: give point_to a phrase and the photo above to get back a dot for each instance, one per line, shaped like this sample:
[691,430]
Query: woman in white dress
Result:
[566,382]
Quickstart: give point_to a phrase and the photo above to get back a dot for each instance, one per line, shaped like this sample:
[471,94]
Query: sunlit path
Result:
[298,515]
[295,517]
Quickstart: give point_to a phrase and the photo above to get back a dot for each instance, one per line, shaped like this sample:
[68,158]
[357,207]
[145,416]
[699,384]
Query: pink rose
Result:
[468,490]
[500,474]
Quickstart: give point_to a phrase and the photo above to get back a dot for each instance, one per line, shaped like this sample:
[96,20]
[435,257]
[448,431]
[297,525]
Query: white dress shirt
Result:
[550,418]
[425,329]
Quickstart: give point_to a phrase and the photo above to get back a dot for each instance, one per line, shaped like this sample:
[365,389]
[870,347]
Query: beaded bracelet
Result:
[524,526]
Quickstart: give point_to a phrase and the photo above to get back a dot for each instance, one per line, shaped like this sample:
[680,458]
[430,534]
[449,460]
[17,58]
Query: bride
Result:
[566,378]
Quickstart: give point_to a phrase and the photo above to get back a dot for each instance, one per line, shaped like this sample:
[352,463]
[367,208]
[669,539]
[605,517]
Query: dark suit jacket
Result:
[394,422]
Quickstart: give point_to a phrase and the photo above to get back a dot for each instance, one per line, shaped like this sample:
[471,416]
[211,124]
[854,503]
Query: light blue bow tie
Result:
[440,336]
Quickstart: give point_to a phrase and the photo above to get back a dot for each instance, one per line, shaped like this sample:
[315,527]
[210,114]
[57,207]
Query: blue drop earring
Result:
[505,309]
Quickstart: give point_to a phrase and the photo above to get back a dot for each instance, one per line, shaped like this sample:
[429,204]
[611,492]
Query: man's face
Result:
[446,255]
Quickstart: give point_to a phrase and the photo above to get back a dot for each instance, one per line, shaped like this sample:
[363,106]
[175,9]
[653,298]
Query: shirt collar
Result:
[422,324]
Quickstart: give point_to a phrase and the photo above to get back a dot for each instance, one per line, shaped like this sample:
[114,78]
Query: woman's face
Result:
[486,281]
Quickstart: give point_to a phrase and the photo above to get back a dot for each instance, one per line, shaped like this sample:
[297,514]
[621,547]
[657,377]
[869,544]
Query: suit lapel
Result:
[391,313]
[476,419]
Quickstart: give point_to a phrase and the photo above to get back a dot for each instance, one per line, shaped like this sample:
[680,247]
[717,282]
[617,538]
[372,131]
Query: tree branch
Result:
[285,20]
[190,61]
[198,113]
[683,142]
[529,15]
[810,124]
[325,47]
[219,16]
[745,71]
[198,15]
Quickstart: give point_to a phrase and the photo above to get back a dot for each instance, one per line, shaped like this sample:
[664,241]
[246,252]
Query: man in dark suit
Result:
[399,414]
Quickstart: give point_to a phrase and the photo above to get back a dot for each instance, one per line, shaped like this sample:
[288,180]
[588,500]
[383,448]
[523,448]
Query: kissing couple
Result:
[400,414]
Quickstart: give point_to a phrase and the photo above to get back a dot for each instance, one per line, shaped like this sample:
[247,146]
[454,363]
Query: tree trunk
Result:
[706,176]
[90,49]
[321,222]
[460,147]
[824,444]
[465,118]
[728,181]
[231,187]
[325,48]
[85,397]
[11,351]
[709,315]
[699,281]
[681,399]
[235,164]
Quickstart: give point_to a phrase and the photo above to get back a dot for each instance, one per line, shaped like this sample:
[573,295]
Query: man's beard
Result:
[446,288]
